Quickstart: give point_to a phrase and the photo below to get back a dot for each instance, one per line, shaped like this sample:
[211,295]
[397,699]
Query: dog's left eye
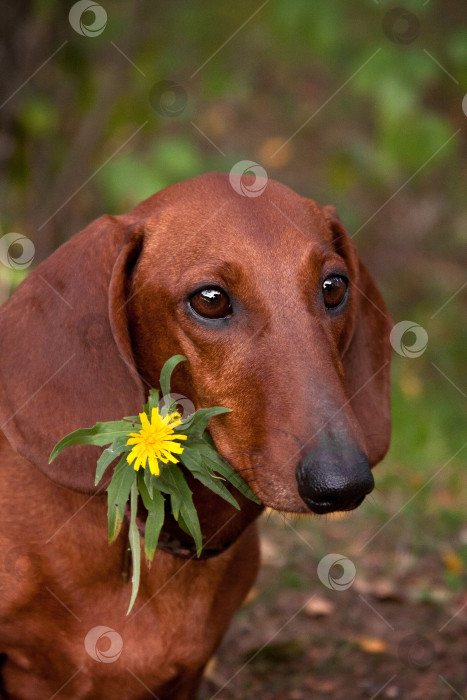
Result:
[211,303]
[334,291]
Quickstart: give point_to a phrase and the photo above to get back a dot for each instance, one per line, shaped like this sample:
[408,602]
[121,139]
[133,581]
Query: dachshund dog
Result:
[279,321]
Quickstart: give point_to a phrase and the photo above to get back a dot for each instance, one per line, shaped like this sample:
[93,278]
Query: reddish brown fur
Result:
[284,368]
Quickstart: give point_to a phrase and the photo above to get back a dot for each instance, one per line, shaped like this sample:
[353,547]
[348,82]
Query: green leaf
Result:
[100,434]
[164,485]
[148,481]
[191,520]
[108,456]
[183,502]
[175,502]
[156,513]
[153,402]
[182,525]
[217,464]
[199,422]
[168,407]
[167,370]
[118,490]
[154,523]
[135,545]
[194,462]
[214,461]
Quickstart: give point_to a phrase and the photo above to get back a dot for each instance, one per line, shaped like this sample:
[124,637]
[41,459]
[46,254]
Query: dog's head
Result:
[266,298]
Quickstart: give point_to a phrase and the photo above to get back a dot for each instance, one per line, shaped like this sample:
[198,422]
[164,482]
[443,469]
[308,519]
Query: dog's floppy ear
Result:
[366,359]
[65,355]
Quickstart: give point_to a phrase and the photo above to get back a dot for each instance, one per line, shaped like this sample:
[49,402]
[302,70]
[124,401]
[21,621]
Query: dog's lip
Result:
[326,507]
[297,506]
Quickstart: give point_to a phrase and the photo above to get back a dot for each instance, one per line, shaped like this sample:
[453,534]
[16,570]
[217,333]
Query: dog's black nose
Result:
[334,477]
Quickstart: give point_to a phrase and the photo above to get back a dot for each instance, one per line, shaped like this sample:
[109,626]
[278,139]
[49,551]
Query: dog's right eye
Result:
[211,303]
[334,291]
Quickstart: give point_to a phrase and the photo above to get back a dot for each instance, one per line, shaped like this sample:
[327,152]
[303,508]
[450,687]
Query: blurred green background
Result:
[372,96]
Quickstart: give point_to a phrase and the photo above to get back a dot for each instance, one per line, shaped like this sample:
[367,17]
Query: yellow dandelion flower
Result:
[155,441]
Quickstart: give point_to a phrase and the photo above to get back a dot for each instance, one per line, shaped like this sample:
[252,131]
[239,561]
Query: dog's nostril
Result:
[336,478]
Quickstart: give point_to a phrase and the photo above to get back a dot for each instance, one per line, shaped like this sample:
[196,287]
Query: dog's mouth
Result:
[329,507]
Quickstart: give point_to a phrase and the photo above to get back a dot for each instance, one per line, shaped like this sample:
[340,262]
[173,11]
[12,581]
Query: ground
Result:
[397,628]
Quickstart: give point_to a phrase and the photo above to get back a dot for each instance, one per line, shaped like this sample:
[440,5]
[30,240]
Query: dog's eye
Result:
[334,291]
[211,302]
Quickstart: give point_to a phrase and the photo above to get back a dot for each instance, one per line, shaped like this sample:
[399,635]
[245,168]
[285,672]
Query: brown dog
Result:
[279,321]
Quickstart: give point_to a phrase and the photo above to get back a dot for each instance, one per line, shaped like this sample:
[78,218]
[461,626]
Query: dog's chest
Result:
[60,636]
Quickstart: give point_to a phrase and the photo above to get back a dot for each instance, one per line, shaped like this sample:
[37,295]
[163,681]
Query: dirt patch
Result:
[394,629]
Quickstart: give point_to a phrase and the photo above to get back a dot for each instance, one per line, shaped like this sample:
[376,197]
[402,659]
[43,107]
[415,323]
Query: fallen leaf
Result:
[372,645]
[210,669]
[270,553]
[381,589]
[453,562]
[319,607]
[252,595]
[321,686]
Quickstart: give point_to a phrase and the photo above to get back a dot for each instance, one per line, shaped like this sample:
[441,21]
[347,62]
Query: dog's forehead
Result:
[207,216]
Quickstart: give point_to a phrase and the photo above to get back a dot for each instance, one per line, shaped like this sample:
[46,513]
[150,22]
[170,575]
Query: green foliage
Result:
[38,115]
[134,176]
[166,374]
[199,457]
[118,492]
[100,434]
